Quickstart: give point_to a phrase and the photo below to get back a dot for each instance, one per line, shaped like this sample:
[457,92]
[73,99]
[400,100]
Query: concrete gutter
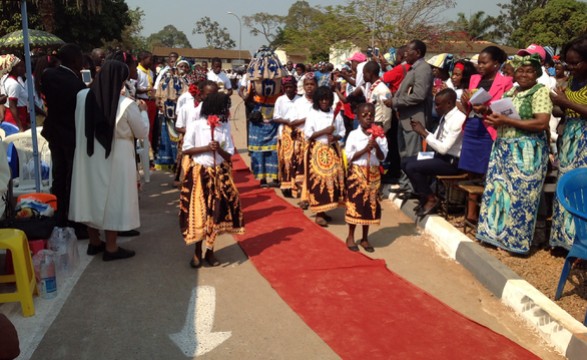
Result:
[555,325]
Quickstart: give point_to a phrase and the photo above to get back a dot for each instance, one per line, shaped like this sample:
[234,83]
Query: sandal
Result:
[368,248]
[303,205]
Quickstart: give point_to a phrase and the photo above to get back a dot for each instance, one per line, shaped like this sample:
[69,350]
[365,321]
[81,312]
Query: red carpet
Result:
[355,304]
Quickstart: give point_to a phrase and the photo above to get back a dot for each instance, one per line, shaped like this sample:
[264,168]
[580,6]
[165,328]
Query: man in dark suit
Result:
[413,102]
[60,86]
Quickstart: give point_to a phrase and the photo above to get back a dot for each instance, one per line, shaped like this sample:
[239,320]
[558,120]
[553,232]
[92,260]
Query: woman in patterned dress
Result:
[573,146]
[518,161]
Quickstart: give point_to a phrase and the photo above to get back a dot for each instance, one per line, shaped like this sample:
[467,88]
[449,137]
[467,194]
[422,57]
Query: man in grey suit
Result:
[413,102]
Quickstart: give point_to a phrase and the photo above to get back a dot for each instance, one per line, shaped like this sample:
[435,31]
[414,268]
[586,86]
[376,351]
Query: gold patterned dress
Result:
[325,175]
[364,179]
[209,201]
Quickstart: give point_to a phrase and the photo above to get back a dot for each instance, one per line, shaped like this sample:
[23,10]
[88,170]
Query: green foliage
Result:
[338,26]
[555,24]
[510,17]
[477,27]
[169,36]
[11,20]
[265,24]
[90,30]
[71,21]
[216,37]
[131,39]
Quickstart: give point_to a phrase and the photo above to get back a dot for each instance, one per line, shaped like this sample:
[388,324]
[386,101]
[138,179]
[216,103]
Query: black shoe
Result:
[424,212]
[129,233]
[96,249]
[118,254]
[353,248]
[367,248]
[406,196]
[398,190]
[263,184]
[274,184]
[211,259]
[286,193]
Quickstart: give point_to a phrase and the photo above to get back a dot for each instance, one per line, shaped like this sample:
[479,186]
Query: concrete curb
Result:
[555,325]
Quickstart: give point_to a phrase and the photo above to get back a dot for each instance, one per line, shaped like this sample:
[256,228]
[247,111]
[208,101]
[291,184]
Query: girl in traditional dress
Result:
[303,106]
[284,115]
[325,172]
[209,200]
[364,149]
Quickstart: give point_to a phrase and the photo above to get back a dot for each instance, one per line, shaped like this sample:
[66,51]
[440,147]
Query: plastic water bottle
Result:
[48,284]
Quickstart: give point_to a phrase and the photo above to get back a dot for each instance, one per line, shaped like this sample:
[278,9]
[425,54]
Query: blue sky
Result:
[184,13]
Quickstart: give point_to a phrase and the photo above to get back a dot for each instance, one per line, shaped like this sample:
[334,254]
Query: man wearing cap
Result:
[358,61]
[413,102]
[544,79]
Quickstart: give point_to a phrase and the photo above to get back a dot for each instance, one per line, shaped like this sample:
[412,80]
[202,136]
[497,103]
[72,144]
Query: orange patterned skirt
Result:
[209,204]
[362,204]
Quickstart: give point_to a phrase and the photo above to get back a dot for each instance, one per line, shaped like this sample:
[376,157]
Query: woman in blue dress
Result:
[518,161]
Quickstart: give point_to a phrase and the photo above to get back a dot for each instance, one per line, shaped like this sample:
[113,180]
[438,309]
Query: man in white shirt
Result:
[446,143]
[376,93]
[219,77]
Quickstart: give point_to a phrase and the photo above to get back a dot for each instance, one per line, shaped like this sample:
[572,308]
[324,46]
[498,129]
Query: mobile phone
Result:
[369,52]
[376,51]
[86,76]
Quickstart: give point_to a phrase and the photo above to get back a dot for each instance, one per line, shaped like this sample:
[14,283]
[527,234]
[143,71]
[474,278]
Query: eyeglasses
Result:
[366,114]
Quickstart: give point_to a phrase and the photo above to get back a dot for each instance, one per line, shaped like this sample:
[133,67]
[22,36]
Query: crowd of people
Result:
[505,120]
[329,136]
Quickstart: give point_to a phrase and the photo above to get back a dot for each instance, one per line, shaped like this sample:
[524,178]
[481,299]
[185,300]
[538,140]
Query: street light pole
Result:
[240,33]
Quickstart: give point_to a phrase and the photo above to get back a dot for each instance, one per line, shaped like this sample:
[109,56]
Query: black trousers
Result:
[419,171]
[62,158]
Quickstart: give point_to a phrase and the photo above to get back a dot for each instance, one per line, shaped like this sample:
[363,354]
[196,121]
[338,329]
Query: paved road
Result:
[128,309]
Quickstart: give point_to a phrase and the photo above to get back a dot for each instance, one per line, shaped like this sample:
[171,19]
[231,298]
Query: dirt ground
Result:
[542,268]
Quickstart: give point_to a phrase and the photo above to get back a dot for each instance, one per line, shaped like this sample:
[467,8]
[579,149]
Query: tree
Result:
[131,39]
[90,30]
[397,22]
[87,23]
[510,16]
[265,24]
[477,27]
[169,36]
[320,29]
[554,24]
[216,37]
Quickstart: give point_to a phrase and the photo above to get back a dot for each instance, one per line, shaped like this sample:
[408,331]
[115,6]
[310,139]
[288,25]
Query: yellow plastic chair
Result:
[24,274]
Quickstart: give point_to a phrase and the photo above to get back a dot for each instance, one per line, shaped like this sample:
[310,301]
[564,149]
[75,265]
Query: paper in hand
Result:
[480,97]
[505,107]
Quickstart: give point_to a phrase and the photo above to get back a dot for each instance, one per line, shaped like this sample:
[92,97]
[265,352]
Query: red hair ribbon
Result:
[460,66]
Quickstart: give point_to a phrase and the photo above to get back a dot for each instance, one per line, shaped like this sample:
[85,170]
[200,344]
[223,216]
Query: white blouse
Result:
[187,113]
[357,141]
[198,134]
[318,120]
[285,109]
[303,107]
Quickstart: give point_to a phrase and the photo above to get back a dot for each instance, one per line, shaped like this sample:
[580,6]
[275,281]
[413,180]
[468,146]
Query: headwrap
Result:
[183,62]
[533,60]
[288,80]
[459,66]
[102,104]
[7,62]
[442,61]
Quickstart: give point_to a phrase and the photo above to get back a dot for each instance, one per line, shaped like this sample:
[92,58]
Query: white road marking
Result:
[196,338]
